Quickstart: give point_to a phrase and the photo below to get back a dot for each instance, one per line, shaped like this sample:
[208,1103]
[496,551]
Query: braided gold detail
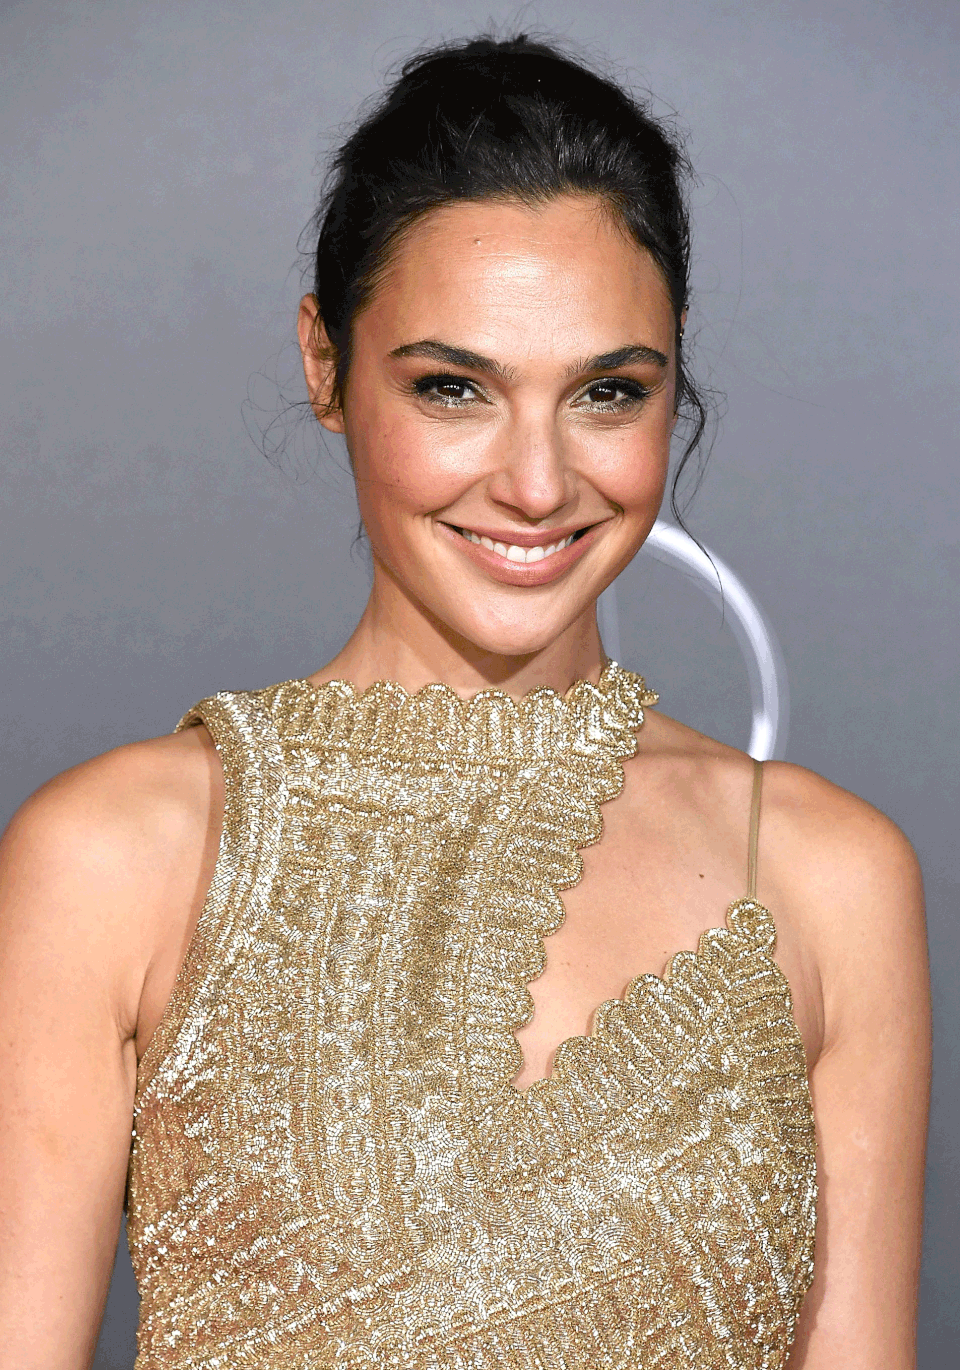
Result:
[331,1165]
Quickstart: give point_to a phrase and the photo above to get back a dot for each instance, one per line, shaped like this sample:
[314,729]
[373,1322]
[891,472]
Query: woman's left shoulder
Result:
[848,880]
[827,835]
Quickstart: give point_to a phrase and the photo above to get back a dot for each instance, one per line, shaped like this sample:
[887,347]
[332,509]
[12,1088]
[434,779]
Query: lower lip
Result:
[520,572]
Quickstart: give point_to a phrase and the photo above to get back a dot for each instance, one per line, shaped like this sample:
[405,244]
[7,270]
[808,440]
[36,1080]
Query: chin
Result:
[521,639]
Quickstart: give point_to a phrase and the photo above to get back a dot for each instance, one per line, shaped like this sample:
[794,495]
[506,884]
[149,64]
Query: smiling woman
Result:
[555,437]
[412,974]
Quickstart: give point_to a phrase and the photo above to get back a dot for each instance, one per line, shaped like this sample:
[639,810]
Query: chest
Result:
[664,872]
[501,886]
[351,1046]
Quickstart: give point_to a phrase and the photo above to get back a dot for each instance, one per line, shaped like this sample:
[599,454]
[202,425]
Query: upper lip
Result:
[539,537]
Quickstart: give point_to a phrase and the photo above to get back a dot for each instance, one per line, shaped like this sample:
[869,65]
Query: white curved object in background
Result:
[756,639]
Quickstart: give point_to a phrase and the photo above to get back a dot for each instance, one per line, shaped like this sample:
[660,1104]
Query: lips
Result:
[511,551]
[534,559]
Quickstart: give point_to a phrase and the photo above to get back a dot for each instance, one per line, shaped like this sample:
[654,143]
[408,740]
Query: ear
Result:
[319,364]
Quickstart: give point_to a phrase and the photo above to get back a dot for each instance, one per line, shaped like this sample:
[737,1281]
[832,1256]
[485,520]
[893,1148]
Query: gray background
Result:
[158,168]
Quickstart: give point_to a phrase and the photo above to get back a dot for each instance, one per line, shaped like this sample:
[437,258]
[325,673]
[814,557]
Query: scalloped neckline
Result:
[644,980]
[345,690]
[385,709]
[491,725]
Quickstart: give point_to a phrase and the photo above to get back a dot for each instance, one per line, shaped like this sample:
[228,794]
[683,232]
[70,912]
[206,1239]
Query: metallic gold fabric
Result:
[331,1166]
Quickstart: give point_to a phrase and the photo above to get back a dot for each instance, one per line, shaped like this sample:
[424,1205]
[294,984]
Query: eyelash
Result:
[633,391]
[424,384]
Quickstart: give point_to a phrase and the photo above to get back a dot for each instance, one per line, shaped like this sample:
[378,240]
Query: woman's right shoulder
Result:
[143,796]
[115,854]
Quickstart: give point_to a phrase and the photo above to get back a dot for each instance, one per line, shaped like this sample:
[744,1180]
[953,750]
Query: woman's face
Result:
[508,413]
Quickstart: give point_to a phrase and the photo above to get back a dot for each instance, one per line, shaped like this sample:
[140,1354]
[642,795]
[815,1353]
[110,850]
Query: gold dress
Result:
[331,1166]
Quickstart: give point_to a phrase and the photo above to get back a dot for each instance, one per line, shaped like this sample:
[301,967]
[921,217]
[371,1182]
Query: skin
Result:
[103,872]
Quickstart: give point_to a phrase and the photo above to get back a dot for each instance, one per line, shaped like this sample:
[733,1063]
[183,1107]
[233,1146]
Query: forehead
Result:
[514,277]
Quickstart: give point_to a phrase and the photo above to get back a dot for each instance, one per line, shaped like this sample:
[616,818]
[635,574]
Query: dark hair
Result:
[499,119]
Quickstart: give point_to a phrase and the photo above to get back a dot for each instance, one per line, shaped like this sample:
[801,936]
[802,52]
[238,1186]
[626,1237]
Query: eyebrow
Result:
[454,356]
[628,355]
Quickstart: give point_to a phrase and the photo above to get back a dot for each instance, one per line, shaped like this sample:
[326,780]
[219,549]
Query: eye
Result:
[449,392]
[613,394]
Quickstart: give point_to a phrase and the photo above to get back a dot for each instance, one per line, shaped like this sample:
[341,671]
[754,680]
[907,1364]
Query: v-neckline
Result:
[636,983]
[551,762]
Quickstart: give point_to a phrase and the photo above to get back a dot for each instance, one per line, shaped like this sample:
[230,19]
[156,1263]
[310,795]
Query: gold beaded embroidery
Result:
[331,1166]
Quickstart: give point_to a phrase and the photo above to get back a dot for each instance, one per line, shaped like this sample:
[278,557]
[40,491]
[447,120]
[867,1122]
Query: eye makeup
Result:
[450,391]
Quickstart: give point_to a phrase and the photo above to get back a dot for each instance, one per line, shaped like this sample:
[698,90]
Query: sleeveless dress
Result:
[331,1166]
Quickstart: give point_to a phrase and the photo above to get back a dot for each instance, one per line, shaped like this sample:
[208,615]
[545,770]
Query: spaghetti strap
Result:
[754,830]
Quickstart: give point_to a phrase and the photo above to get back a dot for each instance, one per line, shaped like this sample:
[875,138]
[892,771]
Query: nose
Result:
[532,476]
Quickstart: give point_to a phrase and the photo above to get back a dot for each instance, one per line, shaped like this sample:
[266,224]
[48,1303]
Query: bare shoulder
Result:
[814,832]
[841,877]
[706,778]
[833,845]
[99,877]
[848,880]
[125,804]
[105,857]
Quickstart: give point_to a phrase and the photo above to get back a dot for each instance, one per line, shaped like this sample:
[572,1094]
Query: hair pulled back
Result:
[499,119]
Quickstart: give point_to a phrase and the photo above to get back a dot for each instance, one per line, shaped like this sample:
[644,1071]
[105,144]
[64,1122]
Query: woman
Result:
[332,948]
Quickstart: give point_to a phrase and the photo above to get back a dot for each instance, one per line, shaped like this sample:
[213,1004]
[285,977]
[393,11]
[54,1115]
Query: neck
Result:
[399,640]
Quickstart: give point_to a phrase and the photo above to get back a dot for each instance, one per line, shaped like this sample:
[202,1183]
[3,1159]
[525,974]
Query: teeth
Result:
[511,552]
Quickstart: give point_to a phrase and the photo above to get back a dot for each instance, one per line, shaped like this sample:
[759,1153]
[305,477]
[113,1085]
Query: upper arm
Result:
[864,908]
[86,870]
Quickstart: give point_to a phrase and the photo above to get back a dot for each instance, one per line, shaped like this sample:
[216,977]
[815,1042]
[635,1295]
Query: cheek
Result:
[631,470]
[397,483]
[403,466]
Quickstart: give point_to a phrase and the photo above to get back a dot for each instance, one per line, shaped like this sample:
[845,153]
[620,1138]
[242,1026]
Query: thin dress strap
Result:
[754,830]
